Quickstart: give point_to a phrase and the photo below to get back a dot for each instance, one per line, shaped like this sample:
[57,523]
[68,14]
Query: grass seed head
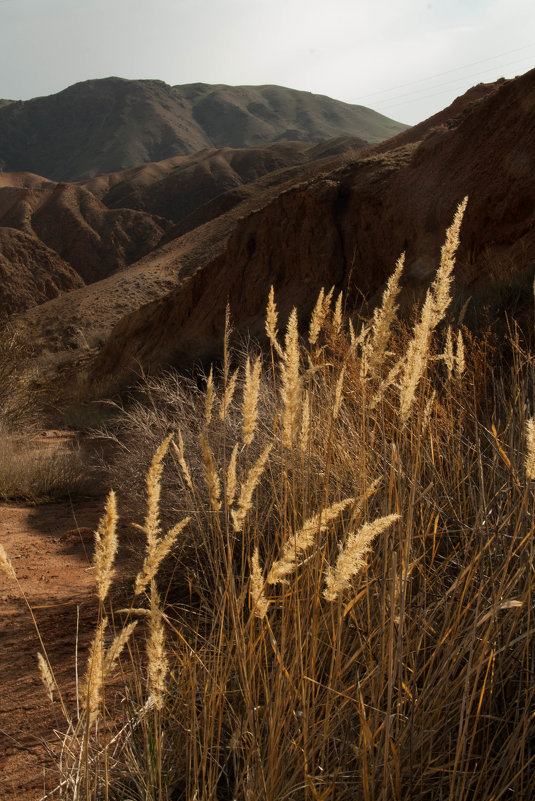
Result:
[93,686]
[251,390]
[158,664]
[459,356]
[156,555]
[416,358]
[448,356]
[271,322]
[211,475]
[383,318]
[153,482]
[441,287]
[337,314]
[317,319]
[106,544]
[530,449]
[6,565]
[179,450]
[114,651]
[291,382]
[351,559]
[47,677]
[245,501]
[303,539]
[305,424]
[230,489]
[209,398]
[259,602]
[228,394]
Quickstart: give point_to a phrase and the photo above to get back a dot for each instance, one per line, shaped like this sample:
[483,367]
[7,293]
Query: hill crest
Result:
[111,124]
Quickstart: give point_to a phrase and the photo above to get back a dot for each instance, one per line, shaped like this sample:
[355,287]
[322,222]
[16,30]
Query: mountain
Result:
[338,220]
[112,124]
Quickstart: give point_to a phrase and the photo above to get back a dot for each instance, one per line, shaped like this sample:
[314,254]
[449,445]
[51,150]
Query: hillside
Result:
[79,229]
[347,225]
[93,241]
[175,188]
[112,124]
[30,272]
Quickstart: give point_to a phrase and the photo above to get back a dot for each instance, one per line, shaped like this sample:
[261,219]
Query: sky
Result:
[406,59]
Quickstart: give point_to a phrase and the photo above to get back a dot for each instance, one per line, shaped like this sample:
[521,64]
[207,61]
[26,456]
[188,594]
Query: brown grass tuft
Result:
[420,686]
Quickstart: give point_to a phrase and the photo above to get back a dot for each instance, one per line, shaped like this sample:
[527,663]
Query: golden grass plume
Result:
[106,544]
[157,661]
[351,559]
[303,539]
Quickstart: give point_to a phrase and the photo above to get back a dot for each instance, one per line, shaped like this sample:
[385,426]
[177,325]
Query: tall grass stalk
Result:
[349,615]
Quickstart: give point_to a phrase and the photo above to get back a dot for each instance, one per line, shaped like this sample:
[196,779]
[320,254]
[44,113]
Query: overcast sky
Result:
[404,58]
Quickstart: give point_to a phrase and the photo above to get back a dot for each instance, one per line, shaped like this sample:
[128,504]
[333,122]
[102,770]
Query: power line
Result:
[446,72]
[460,82]
[461,79]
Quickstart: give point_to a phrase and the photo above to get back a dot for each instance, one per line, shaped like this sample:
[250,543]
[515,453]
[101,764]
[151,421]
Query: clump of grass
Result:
[35,472]
[349,609]
[30,470]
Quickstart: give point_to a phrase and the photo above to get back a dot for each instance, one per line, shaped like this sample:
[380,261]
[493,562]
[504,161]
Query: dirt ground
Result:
[50,547]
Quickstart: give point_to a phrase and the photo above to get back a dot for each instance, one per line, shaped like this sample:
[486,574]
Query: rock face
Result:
[102,126]
[348,225]
[30,273]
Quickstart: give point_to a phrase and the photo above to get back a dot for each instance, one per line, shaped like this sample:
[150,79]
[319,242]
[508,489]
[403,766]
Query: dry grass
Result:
[347,615]
[30,469]
[34,472]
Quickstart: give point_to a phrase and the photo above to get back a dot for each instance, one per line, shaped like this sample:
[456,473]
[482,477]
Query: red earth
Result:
[50,547]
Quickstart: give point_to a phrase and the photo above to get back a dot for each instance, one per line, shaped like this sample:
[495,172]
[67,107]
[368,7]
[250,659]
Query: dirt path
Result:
[50,549]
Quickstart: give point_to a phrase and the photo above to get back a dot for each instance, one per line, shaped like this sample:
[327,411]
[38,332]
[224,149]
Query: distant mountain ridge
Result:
[112,124]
